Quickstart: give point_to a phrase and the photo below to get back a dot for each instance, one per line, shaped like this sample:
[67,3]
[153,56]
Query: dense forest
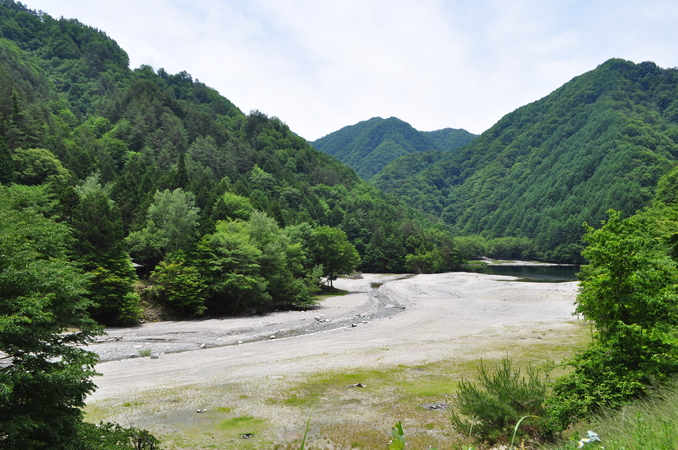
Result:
[222,212]
[369,146]
[228,212]
[163,168]
[601,141]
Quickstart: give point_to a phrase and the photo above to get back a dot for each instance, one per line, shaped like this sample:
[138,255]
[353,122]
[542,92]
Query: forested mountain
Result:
[369,146]
[600,141]
[449,139]
[165,169]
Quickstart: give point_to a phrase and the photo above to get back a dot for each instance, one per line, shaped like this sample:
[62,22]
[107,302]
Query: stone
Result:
[437,406]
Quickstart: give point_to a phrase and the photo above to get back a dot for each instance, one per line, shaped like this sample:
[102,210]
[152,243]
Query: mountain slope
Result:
[600,141]
[67,88]
[449,139]
[369,146]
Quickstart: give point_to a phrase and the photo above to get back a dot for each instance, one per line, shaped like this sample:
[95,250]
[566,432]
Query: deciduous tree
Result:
[44,374]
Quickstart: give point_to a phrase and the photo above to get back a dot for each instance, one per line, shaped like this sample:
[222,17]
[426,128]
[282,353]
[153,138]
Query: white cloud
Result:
[434,63]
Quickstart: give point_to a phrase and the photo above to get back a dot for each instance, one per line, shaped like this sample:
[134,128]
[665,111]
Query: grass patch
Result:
[343,417]
[346,417]
[329,291]
[294,400]
[474,264]
[241,424]
[649,424]
[429,387]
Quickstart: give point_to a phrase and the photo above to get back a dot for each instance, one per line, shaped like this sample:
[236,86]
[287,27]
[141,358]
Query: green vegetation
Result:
[44,378]
[162,168]
[629,290]
[652,423]
[369,146]
[240,424]
[233,212]
[601,141]
[505,399]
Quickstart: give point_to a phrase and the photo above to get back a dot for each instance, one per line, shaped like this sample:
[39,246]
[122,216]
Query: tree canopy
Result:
[601,141]
[44,376]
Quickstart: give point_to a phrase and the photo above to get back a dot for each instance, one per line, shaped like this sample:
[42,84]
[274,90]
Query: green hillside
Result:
[449,139]
[600,141]
[163,168]
[369,146]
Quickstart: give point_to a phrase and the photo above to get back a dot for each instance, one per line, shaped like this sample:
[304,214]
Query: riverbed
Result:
[241,365]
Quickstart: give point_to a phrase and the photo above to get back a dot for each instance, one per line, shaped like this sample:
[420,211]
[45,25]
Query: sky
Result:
[320,65]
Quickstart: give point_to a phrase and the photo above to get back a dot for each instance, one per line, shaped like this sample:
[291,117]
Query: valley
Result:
[449,322]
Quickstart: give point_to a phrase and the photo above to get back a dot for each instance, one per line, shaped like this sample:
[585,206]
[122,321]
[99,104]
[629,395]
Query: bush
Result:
[492,411]
[181,284]
[111,436]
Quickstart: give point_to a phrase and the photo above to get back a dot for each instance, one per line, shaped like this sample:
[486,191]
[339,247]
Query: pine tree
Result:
[6,164]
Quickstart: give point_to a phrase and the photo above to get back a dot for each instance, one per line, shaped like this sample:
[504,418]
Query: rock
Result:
[133,355]
[155,356]
[354,325]
[437,406]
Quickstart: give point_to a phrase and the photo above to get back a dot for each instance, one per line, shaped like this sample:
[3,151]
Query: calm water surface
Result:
[550,274]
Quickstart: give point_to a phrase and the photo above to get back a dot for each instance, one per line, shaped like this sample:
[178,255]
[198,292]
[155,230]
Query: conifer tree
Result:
[6,164]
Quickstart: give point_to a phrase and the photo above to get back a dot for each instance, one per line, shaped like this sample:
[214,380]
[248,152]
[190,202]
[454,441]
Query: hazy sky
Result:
[320,65]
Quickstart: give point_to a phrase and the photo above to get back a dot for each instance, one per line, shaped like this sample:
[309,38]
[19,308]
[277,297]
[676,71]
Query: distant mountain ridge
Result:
[369,146]
[600,141]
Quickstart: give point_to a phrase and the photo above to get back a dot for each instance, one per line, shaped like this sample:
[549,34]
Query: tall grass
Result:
[650,424]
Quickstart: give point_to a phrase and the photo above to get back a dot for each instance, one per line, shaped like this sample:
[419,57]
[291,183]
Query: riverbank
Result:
[441,320]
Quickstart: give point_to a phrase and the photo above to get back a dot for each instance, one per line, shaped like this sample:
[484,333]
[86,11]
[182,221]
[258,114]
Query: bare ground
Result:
[234,370]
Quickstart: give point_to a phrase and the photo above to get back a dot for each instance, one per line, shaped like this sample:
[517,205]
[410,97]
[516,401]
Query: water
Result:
[550,274]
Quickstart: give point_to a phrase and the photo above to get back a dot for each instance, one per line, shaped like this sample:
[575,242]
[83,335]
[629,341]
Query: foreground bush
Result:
[111,436]
[646,424]
[490,412]
[629,290]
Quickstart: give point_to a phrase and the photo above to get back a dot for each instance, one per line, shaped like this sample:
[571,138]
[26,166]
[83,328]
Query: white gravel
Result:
[414,320]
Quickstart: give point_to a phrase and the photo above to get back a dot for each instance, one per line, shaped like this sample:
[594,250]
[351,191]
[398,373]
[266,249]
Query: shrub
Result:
[491,411]
[110,436]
